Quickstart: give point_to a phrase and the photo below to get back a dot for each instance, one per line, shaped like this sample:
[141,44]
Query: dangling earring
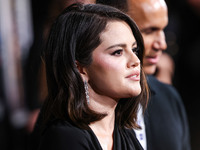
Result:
[86,92]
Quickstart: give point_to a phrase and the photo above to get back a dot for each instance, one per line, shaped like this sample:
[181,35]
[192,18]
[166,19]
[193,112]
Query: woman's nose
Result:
[133,60]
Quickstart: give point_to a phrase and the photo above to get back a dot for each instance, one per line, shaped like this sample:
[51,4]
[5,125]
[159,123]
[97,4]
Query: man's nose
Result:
[160,42]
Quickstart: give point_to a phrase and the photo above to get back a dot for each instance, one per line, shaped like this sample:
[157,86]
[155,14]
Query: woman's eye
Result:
[135,50]
[117,53]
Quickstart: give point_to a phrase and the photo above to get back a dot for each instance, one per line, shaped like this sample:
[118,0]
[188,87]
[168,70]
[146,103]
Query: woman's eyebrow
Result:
[119,45]
[116,45]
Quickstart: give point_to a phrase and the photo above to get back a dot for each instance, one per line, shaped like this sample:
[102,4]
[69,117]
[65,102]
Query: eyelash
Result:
[116,53]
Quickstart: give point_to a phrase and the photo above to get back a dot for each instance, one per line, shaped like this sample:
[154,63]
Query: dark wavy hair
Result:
[73,37]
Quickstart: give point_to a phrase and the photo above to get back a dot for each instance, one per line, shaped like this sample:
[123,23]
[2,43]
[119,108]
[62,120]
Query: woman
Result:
[95,82]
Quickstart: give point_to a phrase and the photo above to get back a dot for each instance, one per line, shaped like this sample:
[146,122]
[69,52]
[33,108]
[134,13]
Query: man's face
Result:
[151,19]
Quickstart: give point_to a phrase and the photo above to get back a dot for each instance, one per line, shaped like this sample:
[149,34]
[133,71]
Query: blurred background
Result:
[24,26]
[183,39]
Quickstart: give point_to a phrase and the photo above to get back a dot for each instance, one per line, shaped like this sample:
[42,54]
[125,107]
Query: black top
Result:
[165,118]
[61,135]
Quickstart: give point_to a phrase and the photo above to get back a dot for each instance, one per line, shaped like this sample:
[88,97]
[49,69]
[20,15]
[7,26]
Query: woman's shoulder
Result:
[62,135]
[61,127]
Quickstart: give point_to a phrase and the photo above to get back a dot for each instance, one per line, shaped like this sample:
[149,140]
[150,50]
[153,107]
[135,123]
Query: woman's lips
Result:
[134,76]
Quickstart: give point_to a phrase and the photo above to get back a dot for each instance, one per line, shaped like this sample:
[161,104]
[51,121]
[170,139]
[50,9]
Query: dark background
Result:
[183,39]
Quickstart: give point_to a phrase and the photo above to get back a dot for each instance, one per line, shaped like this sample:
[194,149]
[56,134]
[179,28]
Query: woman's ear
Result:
[82,71]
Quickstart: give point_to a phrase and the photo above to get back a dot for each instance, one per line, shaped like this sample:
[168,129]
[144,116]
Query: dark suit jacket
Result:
[165,118]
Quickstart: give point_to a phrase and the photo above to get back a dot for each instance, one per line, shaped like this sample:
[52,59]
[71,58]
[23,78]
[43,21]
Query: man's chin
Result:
[149,70]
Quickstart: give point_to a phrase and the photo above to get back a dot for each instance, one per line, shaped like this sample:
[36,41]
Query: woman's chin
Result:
[135,92]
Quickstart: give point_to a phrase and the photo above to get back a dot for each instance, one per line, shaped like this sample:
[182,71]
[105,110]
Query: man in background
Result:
[164,124]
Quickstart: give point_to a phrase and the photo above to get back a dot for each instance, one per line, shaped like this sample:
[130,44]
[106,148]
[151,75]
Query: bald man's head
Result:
[151,16]
[145,9]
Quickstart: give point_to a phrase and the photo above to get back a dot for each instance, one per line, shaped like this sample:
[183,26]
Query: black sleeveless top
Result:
[61,135]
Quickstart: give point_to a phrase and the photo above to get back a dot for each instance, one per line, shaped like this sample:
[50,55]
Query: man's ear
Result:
[82,71]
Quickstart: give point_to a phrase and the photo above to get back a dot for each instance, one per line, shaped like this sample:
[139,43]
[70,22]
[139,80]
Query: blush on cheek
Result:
[105,63]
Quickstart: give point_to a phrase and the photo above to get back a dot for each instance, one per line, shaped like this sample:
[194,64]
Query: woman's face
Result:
[115,69]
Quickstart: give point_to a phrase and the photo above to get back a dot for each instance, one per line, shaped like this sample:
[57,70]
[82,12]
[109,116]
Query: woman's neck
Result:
[104,128]
[101,103]
[106,105]
[105,125]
